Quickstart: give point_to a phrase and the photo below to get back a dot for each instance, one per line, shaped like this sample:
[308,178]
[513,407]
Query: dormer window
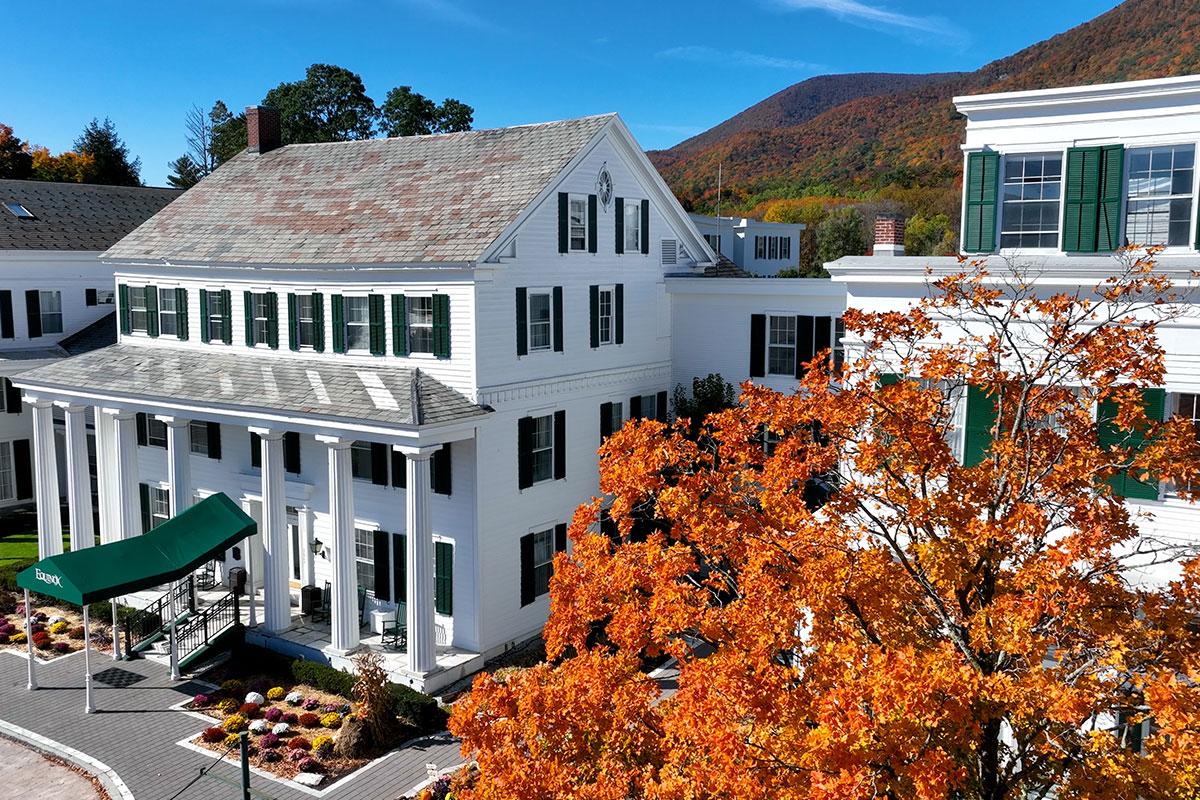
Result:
[358,325]
[1159,206]
[1032,189]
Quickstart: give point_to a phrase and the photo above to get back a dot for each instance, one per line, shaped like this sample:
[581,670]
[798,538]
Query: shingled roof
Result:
[320,388]
[74,216]
[412,199]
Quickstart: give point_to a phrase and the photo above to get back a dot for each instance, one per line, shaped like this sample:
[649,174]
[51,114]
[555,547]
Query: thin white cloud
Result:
[684,130]
[881,19]
[450,12]
[741,58]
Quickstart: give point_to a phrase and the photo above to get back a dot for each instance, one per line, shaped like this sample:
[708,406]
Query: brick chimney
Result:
[889,235]
[262,129]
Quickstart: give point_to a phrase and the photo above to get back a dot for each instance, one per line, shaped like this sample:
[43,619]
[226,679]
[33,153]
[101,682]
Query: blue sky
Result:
[671,69]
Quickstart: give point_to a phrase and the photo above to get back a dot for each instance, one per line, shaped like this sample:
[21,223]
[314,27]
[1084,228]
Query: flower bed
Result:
[285,740]
[56,631]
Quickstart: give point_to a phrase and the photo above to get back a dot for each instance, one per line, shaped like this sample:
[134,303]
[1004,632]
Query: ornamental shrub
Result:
[256,698]
[290,718]
[60,627]
[322,741]
[294,698]
[311,704]
[76,632]
[37,627]
[248,710]
[44,644]
[323,677]
[297,755]
[3,638]
[275,693]
[309,720]
[259,686]
[213,735]
[273,714]
[234,723]
[299,743]
[62,647]
[258,726]
[272,756]
[233,687]
[331,720]
[281,728]
[325,709]
[309,765]
[268,740]
[201,700]
[17,638]
[228,705]
[40,616]
[419,709]
[231,740]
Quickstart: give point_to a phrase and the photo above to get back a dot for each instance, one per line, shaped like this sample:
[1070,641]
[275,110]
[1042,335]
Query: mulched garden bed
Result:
[56,631]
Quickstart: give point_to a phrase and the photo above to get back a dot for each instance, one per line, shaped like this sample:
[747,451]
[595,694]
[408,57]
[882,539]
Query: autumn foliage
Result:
[933,631]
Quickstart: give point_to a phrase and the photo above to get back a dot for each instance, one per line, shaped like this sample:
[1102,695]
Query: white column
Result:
[422,653]
[128,516]
[79,481]
[89,707]
[31,681]
[277,612]
[179,450]
[106,457]
[45,468]
[344,608]
[308,574]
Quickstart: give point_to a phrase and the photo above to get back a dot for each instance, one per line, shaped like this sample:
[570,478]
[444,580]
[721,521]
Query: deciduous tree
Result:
[409,113]
[329,105]
[15,159]
[936,630]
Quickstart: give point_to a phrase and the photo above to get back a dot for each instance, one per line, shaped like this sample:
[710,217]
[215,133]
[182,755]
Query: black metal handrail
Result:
[148,621]
[206,625]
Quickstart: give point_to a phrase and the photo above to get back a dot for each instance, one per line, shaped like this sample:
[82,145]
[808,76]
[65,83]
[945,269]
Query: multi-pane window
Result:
[361,463]
[168,320]
[51,308]
[772,248]
[364,559]
[1159,208]
[606,315]
[839,349]
[160,506]
[540,324]
[1188,407]
[8,475]
[577,223]
[156,432]
[216,316]
[633,227]
[260,317]
[649,406]
[1032,188]
[543,561]
[781,346]
[137,309]
[293,528]
[617,416]
[714,241]
[198,433]
[358,324]
[420,324]
[542,451]
[305,321]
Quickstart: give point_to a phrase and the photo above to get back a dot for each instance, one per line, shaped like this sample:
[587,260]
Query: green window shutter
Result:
[1081,199]
[273,320]
[6,315]
[1108,205]
[255,450]
[594,315]
[214,440]
[558,319]
[152,311]
[619,314]
[441,325]
[142,425]
[318,302]
[524,452]
[563,235]
[123,299]
[144,497]
[399,568]
[248,309]
[528,585]
[593,219]
[522,323]
[758,345]
[23,460]
[980,419]
[619,224]
[399,325]
[204,315]
[443,578]
[889,378]
[337,309]
[227,316]
[378,333]
[560,445]
[399,470]
[440,471]
[644,233]
[181,313]
[605,421]
[383,566]
[293,340]
[1126,484]
[979,217]
[291,452]
[33,313]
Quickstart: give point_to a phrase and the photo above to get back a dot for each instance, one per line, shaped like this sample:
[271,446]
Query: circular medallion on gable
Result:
[604,186]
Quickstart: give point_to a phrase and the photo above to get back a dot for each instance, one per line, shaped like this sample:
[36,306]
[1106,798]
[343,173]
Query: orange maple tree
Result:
[933,630]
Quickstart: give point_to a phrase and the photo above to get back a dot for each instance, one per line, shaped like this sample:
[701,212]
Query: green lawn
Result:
[18,537]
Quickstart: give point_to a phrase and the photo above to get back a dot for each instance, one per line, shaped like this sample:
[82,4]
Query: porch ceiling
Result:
[319,387]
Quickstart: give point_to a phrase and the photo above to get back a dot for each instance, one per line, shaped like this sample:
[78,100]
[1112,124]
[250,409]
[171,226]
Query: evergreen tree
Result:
[15,160]
[185,173]
[113,167]
[228,133]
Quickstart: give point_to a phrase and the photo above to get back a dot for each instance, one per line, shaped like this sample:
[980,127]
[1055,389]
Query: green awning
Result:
[169,552]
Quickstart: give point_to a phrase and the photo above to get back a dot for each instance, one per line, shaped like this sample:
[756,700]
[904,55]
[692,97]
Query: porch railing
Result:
[206,625]
[153,619]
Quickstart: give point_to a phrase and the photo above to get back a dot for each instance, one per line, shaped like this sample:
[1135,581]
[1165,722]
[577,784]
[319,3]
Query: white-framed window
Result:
[293,530]
[358,324]
[839,349]
[650,406]
[364,558]
[260,317]
[577,222]
[633,226]
[51,308]
[8,474]
[305,322]
[1159,185]
[616,416]
[542,450]
[1031,193]
[362,465]
[216,316]
[607,313]
[541,324]
[156,432]
[198,434]
[770,440]
[138,316]
[772,248]
[1188,406]
[543,561]
[781,346]
[160,506]
[420,324]
[168,320]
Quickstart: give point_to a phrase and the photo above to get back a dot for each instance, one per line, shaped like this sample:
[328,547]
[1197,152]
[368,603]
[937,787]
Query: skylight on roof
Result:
[20,211]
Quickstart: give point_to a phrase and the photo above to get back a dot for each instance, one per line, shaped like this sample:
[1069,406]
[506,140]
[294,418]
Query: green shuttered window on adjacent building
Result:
[979,211]
[1092,199]
[443,578]
[980,419]
[1126,484]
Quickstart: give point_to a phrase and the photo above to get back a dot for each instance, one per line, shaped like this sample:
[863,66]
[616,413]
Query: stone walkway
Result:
[135,734]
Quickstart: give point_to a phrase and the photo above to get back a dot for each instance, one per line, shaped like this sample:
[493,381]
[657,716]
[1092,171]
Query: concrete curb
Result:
[107,776]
